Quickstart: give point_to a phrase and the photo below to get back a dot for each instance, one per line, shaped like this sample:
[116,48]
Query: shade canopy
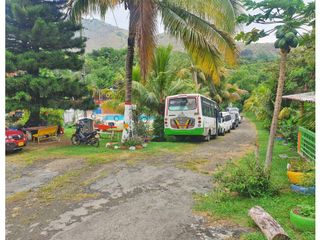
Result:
[302,97]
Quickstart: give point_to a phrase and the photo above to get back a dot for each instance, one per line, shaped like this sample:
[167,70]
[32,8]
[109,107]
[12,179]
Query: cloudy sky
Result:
[120,17]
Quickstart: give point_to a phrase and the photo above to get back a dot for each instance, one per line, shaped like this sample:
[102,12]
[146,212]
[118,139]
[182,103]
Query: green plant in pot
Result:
[302,218]
[307,184]
[299,169]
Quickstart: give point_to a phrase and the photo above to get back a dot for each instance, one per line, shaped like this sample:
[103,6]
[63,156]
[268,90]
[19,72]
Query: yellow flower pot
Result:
[296,177]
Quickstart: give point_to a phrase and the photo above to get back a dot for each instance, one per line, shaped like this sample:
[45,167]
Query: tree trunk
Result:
[128,120]
[277,106]
[195,77]
[270,228]
[34,119]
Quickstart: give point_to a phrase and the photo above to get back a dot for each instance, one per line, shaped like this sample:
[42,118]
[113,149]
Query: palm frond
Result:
[176,87]
[220,12]
[146,32]
[206,44]
[78,8]
[161,59]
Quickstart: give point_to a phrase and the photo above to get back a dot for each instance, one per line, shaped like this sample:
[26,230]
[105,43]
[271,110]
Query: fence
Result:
[306,143]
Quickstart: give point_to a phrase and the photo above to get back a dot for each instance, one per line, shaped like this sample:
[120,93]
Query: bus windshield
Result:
[182,104]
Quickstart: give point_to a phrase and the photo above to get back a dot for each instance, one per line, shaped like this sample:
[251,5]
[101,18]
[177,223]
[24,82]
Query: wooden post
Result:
[270,228]
[299,141]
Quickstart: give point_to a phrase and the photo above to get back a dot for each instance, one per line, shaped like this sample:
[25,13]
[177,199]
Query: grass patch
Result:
[94,155]
[17,197]
[236,208]
[193,165]
[63,187]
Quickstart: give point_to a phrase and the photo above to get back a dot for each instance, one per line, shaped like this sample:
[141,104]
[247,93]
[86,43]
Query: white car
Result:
[225,123]
[235,116]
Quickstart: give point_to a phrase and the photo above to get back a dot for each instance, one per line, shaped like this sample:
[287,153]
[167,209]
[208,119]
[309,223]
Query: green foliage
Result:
[158,128]
[248,180]
[259,104]
[39,37]
[235,208]
[306,211]
[309,180]
[308,119]
[104,67]
[162,82]
[289,128]
[288,15]
[301,165]
[51,89]
[38,42]
[133,141]
[52,116]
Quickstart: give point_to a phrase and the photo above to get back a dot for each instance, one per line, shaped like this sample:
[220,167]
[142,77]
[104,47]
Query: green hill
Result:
[101,34]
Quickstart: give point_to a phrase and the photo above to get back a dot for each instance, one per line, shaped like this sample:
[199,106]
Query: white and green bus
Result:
[191,115]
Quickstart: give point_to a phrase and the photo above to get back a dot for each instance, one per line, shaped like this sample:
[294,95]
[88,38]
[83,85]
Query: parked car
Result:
[15,140]
[234,119]
[225,123]
[235,115]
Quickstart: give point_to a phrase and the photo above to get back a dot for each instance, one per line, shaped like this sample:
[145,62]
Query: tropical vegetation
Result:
[41,53]
[205,32]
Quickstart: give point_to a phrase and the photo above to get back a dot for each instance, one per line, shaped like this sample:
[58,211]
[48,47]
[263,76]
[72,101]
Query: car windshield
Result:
[182,104]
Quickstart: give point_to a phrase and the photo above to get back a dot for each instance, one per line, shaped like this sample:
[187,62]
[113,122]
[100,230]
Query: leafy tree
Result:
[39,39]
[290,16]
[205,28]
[161,83]
[37,36]
[48,89]
[103,68]
[150,95]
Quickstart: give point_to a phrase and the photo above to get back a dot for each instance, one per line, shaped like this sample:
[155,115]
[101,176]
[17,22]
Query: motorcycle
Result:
[91,138]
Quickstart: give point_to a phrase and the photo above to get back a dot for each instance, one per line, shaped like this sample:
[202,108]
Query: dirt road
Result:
[150,198]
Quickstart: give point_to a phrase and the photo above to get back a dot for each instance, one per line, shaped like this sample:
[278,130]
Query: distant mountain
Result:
[101,34]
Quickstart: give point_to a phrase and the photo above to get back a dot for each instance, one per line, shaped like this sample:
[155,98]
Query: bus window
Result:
[208,108]
[182,104]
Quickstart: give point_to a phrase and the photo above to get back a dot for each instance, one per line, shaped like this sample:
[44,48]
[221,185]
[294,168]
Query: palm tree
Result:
[204,27]
[161,83]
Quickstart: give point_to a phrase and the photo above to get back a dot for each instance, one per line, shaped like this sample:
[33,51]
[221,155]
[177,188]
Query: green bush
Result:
[141,129]
[309,179]
[158,128]
[52,116]
[301,165]
[133,141]
[248,180]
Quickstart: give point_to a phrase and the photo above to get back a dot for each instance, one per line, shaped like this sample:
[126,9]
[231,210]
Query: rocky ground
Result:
[149,197]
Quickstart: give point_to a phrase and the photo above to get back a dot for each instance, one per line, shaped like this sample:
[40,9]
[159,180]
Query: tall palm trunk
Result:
[277,106]
[128,118]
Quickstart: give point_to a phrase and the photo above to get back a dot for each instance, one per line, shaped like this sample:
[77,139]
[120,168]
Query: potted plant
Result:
[302,218]
[307,184]
[132,143]
[298,170]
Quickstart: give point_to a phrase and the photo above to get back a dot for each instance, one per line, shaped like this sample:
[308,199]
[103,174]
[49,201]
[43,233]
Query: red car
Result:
[15,140]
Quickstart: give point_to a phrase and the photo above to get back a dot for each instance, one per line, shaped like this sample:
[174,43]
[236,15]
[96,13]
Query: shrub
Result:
[158,128]
[247,178]
[52,116]
[133,141]
[308,180]
[306,211]
[301,165]
[141,129]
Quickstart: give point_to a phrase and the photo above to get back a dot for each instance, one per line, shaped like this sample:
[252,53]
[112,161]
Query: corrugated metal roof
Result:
[302,97]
